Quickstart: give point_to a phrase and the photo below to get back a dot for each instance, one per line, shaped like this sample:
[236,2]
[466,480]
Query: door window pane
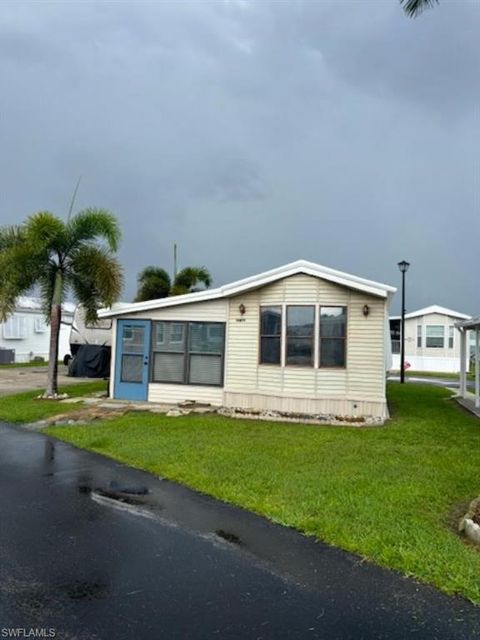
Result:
[133,339]
[132,368]
[300,325]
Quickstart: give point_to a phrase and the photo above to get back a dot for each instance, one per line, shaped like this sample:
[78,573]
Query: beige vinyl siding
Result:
[173,393]
[208,311]
[363,379]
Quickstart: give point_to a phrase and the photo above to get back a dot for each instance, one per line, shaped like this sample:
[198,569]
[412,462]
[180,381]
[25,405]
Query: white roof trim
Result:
[473,323]
[434,308]
[256,281]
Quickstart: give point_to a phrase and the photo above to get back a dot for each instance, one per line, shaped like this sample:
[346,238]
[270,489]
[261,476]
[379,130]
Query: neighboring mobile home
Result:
[432,342]
[301,338]
[27,333]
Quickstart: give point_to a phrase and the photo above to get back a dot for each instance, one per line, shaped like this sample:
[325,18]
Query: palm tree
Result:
[414,8]
[154,282]
[57,257]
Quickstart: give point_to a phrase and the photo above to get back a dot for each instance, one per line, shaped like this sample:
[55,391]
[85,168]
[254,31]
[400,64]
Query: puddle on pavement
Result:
[85,590]
[120,497]
[136,491]
[228,536]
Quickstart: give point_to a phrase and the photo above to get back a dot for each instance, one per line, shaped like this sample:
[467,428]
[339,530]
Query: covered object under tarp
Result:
[90,361]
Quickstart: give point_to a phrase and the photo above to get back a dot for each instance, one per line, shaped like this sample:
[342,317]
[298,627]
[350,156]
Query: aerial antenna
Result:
[174,260]
[73,198]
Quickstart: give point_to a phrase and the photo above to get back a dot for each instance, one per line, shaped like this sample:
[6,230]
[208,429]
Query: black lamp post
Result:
[403,266]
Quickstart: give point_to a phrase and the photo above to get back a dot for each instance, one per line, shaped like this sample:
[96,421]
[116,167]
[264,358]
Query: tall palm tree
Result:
[57,257]
[154,282]
[414,8]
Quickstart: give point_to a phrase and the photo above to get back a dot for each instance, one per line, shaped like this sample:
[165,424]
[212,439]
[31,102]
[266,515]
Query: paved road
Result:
[15,380]
[92,571]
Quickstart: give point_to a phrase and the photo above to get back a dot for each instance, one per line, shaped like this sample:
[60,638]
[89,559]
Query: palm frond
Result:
[93,224]
[414,8]
[188,278]
[20,264]
[96,278]
[153,283]
[45,231]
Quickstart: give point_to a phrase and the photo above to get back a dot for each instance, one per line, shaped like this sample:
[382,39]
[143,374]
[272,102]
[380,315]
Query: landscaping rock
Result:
[470,523]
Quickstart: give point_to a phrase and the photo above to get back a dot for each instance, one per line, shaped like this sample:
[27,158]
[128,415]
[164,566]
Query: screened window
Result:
[435,338]
[300,328]
[419,336]
[270,335]
[169,352]
[188,353]
[333,336]
[206,347]
[15,328]
[450,337]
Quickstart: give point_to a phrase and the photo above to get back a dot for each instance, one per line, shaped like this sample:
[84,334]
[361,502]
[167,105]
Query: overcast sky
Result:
[254,133]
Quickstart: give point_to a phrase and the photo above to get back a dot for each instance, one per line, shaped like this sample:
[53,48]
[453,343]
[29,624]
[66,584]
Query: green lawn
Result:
[26,407]
[21,365]
[391,494]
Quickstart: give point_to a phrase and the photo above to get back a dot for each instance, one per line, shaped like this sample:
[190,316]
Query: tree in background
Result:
[413,8]
[154,282]
[58,257]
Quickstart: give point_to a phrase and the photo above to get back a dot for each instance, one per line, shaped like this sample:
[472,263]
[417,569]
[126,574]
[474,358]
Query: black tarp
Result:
[90,361]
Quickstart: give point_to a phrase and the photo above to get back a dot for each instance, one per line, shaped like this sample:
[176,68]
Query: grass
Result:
[409,373]
[392,494]
[21,365]
[26,407]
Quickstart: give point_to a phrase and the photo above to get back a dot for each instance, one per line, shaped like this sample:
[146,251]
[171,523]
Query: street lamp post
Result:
[403,266]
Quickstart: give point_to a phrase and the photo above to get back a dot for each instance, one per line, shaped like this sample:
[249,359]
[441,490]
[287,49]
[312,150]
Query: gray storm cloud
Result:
[254,133]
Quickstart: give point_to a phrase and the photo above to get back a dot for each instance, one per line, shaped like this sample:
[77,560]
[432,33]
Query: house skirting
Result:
[313,406]
[428,363]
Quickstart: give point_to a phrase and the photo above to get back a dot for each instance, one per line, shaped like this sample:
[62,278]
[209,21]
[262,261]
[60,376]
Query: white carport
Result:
[464,327]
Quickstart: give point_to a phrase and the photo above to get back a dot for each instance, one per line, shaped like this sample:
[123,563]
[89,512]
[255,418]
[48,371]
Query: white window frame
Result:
[39,325]
[316,338]
[442,326]
[15,328]
[451,337]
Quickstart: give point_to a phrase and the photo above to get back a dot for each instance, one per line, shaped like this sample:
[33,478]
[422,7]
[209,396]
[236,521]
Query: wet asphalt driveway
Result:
[73,561]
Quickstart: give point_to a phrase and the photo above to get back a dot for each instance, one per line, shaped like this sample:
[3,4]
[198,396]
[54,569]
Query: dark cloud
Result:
[253,133]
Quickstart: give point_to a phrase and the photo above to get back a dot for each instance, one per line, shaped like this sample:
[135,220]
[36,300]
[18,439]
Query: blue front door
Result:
[131,359]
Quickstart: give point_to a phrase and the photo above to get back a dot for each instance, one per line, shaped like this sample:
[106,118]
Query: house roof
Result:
[26,303]
[256,281]
[434,308]
[471,323]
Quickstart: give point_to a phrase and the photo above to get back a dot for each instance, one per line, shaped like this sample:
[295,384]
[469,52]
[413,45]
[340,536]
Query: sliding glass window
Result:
[270,335]
[300,333]
[333,336]
[188,352]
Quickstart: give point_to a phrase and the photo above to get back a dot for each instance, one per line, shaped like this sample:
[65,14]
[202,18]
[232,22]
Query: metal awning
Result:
[464,326]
